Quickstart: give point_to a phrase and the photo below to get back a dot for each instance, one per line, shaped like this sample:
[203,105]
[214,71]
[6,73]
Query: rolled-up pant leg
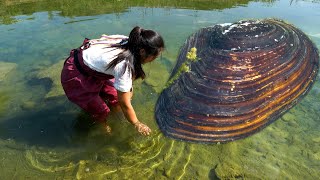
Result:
[97,108]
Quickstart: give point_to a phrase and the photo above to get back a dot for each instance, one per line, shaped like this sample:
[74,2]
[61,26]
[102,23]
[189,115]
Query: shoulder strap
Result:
[109,41]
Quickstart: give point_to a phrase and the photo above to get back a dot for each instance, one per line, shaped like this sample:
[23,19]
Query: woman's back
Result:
[100,53]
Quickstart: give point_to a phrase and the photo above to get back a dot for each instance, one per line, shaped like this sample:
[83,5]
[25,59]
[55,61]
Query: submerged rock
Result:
[53,72]
[28,105]
[5,68]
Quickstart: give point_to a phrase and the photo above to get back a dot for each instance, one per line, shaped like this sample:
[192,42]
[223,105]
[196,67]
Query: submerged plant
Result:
[185,67]
[192,54]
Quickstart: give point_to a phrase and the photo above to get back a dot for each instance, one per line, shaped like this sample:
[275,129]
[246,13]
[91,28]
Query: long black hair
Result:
[139,38]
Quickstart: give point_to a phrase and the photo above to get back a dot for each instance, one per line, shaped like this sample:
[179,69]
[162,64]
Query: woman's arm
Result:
[124,99]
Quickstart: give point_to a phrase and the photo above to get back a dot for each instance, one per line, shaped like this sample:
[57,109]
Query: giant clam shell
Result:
[238,78]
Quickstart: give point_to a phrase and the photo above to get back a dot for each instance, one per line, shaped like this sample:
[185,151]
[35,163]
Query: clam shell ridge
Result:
[247,74]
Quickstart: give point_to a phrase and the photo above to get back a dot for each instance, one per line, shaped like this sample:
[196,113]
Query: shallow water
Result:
[44,136]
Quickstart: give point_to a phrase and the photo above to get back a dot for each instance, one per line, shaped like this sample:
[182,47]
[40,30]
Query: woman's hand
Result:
[142,128]
[128,111]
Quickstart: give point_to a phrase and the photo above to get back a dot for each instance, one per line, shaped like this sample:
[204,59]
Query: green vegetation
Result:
[71,8]
[185,67]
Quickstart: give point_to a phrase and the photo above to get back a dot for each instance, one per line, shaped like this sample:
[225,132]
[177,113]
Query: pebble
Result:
[28,105]
[316,140]
[288,117]
[87,169]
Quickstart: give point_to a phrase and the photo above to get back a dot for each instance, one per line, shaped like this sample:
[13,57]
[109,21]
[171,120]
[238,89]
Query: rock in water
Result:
[232,80]
[6,68]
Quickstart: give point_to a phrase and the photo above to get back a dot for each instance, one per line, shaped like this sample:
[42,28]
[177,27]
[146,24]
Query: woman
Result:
[100,73]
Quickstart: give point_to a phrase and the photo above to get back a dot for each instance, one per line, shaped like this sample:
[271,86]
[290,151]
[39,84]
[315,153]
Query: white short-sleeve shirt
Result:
[100,54]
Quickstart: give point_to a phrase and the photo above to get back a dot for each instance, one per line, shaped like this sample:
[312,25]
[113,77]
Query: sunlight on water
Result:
[44,136]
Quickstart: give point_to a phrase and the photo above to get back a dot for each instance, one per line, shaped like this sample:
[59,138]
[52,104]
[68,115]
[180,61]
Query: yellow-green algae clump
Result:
[185,67]
[192,54]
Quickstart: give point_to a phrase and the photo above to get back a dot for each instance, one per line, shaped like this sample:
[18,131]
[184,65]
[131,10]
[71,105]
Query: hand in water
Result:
[142,128]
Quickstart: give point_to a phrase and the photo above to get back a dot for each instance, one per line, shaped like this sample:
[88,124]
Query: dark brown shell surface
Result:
[245,76]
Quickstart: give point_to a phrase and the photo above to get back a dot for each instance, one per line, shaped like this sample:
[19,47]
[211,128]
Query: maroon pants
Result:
[87,88]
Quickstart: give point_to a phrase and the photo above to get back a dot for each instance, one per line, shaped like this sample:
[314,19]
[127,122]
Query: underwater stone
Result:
[316,139]
[248,74]
[28,105]
[288,117]
[53,72]
[5,68]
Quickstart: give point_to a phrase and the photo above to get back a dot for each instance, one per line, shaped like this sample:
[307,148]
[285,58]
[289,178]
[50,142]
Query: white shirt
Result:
[100,54]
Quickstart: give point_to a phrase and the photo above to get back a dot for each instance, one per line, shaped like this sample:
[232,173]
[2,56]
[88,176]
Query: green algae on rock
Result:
[5,68]
[53,73]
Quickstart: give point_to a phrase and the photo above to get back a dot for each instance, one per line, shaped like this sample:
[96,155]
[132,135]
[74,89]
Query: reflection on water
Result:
[44,136]
[70,8]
